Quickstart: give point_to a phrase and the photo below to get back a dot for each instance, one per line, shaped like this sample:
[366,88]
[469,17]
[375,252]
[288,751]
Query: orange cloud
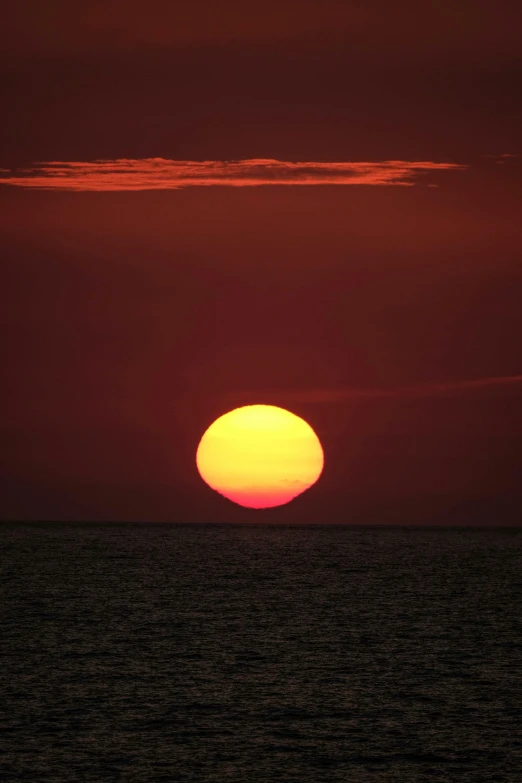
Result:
[163,174]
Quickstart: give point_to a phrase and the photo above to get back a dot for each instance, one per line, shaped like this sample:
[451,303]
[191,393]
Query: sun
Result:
[260,456]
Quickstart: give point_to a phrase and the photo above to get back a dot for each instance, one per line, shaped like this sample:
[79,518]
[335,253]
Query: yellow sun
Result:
[260,456]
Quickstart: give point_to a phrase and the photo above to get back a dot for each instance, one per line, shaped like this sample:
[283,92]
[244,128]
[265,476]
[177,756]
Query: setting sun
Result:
[260,456]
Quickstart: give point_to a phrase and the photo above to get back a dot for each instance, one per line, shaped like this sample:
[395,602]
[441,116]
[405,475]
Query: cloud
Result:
[509,157]
[331,396]
[161,174]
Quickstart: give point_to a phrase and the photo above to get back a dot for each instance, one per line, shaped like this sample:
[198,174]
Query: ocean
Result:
[228,653]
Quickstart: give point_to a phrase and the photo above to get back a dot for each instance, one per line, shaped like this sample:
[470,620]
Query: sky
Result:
[311,204]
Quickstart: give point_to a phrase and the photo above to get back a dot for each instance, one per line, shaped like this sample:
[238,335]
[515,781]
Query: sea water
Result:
[260,653]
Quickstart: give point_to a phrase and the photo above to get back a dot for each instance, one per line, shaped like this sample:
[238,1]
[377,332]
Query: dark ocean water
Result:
[233,653]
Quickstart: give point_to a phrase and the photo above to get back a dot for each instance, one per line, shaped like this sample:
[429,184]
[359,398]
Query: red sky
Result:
[476,28]
[132,319]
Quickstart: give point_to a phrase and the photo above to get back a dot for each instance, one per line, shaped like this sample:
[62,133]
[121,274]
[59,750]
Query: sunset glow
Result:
[260,456]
